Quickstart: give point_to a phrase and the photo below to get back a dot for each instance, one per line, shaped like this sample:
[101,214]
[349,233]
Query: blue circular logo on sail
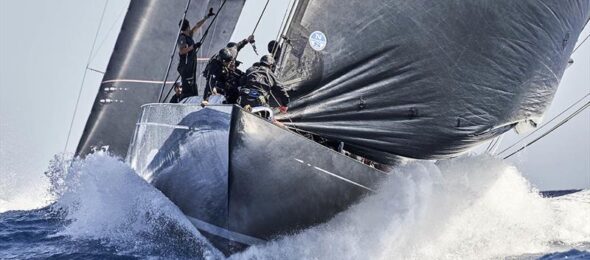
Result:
[318,40]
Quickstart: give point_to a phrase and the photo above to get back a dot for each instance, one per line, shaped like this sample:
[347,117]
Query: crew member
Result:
[187,52]
[261,86]
[222,72]
[275,50]
[177,93]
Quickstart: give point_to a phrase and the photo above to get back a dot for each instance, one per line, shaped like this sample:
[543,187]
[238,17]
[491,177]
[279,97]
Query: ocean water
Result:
[472,207]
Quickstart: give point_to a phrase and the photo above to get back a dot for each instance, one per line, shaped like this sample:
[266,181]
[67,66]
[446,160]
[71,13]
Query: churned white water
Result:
[16,195]
[472,207]
[465,208]
[103,198]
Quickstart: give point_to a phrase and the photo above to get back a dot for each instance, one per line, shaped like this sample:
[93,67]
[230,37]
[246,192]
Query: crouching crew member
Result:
[262,86]
[222,73]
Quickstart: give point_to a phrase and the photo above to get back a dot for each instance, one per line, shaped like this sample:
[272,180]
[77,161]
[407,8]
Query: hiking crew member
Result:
[222,72]
[188,55]
[262,86]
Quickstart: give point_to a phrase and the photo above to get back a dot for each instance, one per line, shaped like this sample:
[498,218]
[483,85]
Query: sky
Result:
[45,48]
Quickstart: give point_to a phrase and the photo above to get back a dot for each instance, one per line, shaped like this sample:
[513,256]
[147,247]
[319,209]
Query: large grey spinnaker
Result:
[425,79]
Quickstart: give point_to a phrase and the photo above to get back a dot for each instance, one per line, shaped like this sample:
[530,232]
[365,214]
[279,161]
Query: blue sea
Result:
[472,207]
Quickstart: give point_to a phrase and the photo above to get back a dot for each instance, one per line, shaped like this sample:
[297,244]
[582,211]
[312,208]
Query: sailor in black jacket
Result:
[188,56]
[222,72]
[262,86]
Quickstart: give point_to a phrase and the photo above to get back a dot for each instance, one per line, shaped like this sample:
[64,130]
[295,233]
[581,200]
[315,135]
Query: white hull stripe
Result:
[183,127]
[335,175]
[222,232]
[165,125]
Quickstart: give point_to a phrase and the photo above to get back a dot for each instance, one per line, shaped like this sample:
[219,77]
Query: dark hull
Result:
[242,180]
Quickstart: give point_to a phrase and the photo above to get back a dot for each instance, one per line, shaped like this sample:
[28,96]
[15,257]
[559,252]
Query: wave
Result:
[102,198]
[469,207]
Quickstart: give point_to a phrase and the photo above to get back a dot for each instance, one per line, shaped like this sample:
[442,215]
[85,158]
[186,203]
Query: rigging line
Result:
[211,39]
[212,22]
[205,36]
[214,29]
[299,131]
[95,70]
[491,144]
[198,75]
[562,112]
[196,68]
[283,21]
[256,26]
[276,47]
[188,3]
[575,49]
[279,33]
[200,44]
[293,9]
[260,17]
[494,144]
[551,130]
[495,148]
[284,31]
[84,76]
[108,32]
[276,100]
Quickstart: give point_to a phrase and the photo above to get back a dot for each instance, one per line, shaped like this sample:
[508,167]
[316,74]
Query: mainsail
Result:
[425,79]
[138,65]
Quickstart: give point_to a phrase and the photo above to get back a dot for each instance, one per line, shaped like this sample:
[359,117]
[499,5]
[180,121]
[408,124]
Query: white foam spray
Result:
[20,193]
[102,198]
[465,208]
[21,187]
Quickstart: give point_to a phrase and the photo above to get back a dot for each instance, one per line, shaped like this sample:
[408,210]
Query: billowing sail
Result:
[138,65]
[425,79]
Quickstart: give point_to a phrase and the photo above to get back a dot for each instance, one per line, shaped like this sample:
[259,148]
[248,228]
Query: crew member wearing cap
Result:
[188,55]
[262,87]
[222,73]
[177,93]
